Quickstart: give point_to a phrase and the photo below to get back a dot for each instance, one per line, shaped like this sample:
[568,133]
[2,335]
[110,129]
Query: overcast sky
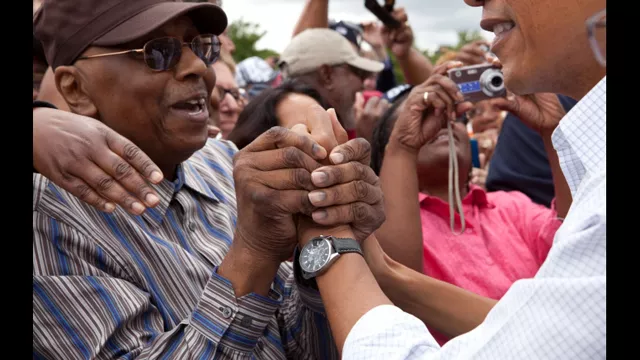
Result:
[434,22]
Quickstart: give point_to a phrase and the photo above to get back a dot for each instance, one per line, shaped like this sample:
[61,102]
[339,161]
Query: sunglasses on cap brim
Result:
[164,53]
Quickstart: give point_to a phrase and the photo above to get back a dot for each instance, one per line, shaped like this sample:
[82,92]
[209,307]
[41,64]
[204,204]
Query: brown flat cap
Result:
[67,28]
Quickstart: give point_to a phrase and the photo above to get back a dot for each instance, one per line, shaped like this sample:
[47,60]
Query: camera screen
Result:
[469,87]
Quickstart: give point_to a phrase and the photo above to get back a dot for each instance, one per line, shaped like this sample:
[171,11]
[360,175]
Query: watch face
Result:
[315,255]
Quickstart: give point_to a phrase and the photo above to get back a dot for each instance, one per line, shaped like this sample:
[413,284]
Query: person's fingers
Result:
[127,177]
[320,126]
[278,137]
[286,179]
[341,194]
[286,158]
[301,129]
[441,102]
[463,107]
[446,66]
[364,218]
[400,14]
[371,104]
[383,105]
[270,201]
[80,189]
[450,87]
[357,149]
[327,176]
[133,155]
[470,59]
[339,132]
[110,188]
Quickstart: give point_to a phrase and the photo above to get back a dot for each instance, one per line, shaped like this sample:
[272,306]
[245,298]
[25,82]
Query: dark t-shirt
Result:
[520,161]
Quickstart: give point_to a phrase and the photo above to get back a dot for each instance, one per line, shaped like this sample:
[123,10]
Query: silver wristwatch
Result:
[320,252]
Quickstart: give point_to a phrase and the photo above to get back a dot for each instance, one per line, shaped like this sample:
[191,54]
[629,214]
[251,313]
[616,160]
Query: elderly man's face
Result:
[541,43]
[157,110]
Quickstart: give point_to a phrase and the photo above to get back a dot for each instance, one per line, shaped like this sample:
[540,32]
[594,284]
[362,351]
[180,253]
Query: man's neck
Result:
[580,87]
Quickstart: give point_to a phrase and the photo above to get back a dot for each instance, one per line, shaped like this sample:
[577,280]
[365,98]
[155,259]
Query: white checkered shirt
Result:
[558,314]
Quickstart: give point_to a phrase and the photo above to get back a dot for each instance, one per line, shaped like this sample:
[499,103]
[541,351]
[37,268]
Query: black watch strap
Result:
[343,246]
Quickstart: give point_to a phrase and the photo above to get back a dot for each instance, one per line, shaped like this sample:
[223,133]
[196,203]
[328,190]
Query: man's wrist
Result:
[248,271]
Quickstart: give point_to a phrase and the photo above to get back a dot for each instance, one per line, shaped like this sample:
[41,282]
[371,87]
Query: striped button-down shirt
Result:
[115,285]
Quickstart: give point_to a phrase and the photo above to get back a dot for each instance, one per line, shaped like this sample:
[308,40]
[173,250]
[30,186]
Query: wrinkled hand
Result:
[473,53]
[367,115]
[347,191]
[93,162]
[272,178]
[399,40]
[419,120]
[542,111]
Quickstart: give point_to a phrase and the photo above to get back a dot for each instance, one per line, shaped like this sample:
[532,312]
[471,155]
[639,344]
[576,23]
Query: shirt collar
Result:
[476,196]
[584,129]
[188,174]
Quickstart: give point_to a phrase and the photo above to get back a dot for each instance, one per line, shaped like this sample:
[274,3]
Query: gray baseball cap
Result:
[313,48]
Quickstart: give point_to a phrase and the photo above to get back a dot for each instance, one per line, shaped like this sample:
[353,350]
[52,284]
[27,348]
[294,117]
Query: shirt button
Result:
[192,226]
[246,321]
[226,312]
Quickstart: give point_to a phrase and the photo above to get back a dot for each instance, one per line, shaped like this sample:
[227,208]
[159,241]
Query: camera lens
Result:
[496,81]
[492,82]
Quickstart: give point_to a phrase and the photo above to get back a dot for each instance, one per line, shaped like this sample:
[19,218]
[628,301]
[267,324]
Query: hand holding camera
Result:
[542,111]
[427,109]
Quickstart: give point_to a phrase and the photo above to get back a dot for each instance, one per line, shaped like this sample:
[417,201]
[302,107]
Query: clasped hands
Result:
[286,177]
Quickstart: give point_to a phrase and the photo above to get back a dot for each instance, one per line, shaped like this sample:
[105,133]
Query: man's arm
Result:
[415,67]
[446,308]
[86,305]
[401,234]
[315,14]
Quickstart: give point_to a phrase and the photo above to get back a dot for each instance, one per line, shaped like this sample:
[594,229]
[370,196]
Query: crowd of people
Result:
[307,205]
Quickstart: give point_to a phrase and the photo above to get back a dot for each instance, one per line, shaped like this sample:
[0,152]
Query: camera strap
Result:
[454,184]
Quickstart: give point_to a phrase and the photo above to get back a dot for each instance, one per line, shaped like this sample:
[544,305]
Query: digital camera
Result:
[479,82]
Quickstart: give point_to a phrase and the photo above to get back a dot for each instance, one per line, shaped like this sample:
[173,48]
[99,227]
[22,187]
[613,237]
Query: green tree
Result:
[245,35]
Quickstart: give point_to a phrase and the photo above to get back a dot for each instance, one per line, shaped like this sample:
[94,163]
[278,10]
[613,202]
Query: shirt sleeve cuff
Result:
[231,321]
[388,331]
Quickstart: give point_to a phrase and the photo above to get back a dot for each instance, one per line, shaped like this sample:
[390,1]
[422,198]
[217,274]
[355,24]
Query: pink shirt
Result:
[507,238]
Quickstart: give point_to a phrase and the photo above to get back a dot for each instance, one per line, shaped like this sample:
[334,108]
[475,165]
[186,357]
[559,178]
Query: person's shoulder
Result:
[53,203]
[217,151]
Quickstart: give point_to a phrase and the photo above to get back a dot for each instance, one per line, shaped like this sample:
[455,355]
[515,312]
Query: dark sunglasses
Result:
[164,53]
[361,74]
[235,92]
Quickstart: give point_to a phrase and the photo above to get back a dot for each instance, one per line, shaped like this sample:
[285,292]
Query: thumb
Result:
[339,132]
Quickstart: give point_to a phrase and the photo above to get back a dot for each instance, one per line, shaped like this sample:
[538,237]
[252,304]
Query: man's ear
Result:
[326,76]
[72,86]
